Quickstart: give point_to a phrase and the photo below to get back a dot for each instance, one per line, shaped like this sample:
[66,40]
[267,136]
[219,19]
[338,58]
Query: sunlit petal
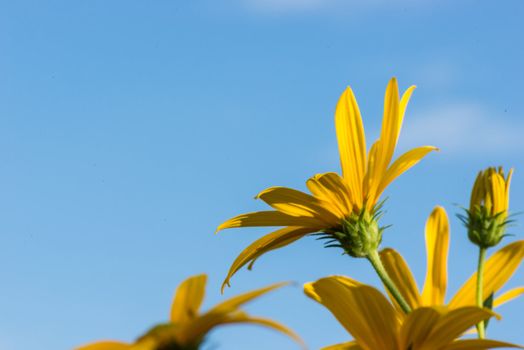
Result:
[498,270]
[296,203]
[404,163]
[356,307]
[351,142]
[508,296]
[400,273]
[269,218]
[437,246]
[454,323]
[417,327]
[272,241]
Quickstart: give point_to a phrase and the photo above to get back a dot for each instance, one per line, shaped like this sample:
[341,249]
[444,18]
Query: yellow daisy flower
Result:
[345,209]
[375,324]
[498,270]
[187,327]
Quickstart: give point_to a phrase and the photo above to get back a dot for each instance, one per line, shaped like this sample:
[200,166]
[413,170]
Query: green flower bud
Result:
[358,235]
[487,216]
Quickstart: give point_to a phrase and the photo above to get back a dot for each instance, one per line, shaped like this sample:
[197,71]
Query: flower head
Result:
[345,209]
[187,327]
[487,217]
[498,270]
[375,324]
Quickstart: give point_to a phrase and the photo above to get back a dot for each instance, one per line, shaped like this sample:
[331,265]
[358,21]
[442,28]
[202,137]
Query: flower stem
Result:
[480,283]
[375,261]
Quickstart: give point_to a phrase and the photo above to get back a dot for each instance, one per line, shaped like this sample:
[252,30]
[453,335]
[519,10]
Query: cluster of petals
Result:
[333,198]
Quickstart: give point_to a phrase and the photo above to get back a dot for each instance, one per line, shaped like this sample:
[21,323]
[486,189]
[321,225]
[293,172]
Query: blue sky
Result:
[130,129]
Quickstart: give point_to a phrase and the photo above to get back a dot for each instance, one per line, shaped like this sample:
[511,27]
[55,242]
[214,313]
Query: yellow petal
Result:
[344,346]
[401,275]
[437,246]
[508,183]
[241,299]
[497,271]
[417,327]
[242,317]
[197,328]
[351,142]
[479,344]
[508,296]
[331,188]
[188,299]
[296,203]
[362,310]
[269,218]
[402,164]
[272,241]
[373,176]
[391,124]
[404,104]
[453,324]
[106,345]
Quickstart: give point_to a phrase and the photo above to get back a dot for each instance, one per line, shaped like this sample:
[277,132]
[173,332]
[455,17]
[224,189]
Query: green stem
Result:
[375,261]
[480,283]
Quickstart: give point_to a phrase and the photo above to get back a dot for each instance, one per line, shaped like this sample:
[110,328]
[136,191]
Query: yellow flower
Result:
[343,208]
[498,270]
[375,324]
[486,218]
[188,327]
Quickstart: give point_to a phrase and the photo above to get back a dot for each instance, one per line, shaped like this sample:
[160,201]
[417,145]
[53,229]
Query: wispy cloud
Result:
[465,128]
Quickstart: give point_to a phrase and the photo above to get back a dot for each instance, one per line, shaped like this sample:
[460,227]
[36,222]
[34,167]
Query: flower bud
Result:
[488,211]
[358,236]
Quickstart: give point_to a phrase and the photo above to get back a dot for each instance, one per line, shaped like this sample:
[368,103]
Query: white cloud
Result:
[464,128]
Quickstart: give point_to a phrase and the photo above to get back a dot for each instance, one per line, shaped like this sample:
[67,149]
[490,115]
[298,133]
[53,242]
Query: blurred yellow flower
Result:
[375,324]
[498,270]
[187,327]
[345,208]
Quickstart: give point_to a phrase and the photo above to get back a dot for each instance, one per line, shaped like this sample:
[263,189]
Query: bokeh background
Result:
[130,129]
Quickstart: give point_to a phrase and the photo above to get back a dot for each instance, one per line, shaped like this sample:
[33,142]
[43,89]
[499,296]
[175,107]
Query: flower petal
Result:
[237,301]
[437,246]
[404,104]
[479,344]
[402,164]
[106,345]
[401,275]
[352,345]
[351,142]
[453,324]
[391,123]
[188,299]
[272,241]
[508,296]
[362,310]
[296,203]
[497,271]
[242,317]
[270,218]
[417,327]
[331,188]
